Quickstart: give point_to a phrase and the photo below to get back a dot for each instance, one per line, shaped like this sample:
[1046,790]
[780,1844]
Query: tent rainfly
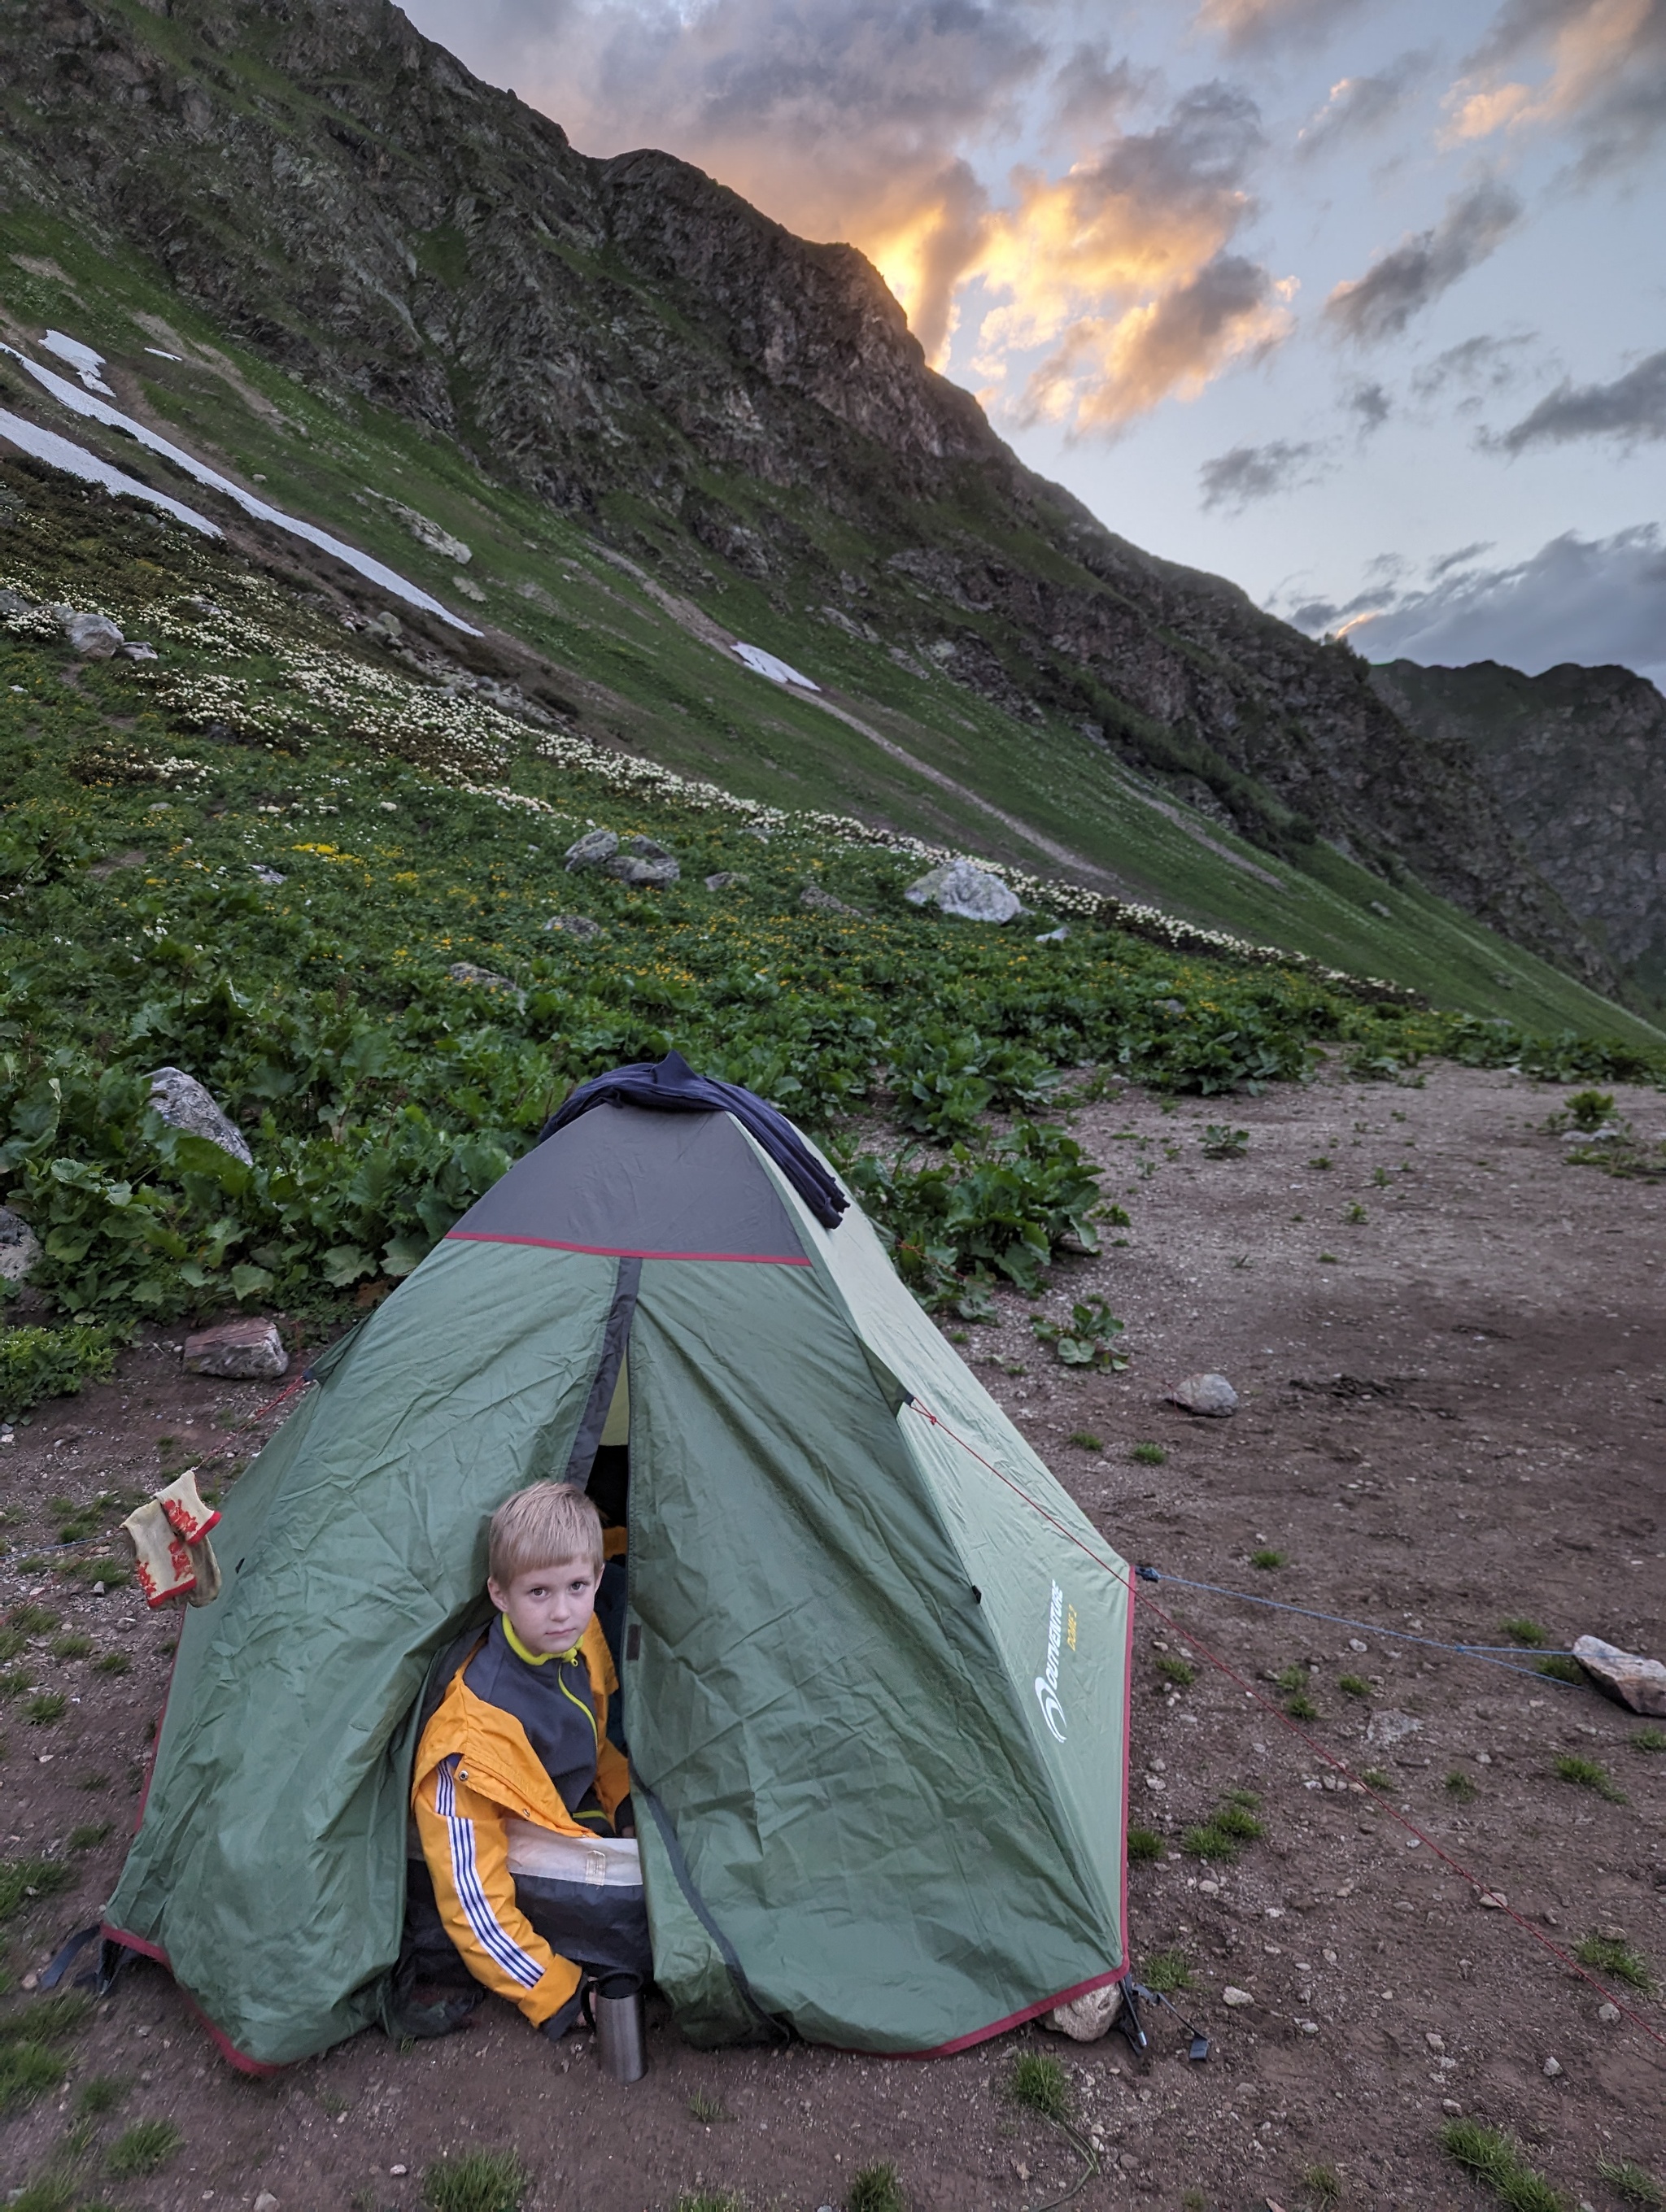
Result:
[875,1662]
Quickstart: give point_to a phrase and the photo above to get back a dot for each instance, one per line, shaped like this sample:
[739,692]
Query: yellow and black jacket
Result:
[482,1762]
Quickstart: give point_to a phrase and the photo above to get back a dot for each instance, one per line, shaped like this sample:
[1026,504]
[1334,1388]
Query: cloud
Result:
[1234,479]
[1360,104]
[1372,404]
[1396,287]
[1479,365]
[1091,92]
[1241,24]
[1596,68]
[1631,409]
[1459,559]
[1122,270]
[1594,601]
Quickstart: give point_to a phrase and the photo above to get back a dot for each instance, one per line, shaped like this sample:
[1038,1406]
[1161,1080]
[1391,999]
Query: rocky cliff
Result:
[1576,759]
[630,341]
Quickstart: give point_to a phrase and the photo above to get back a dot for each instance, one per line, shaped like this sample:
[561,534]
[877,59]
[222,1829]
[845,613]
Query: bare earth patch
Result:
[1457,1420]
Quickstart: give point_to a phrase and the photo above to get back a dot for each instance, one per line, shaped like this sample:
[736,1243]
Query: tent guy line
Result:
[1319,1750]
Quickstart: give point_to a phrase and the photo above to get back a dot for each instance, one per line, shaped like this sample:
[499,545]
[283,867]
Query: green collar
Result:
[534,1658]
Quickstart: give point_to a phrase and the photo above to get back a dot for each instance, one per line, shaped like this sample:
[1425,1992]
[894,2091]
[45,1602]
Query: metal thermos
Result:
[621,2046]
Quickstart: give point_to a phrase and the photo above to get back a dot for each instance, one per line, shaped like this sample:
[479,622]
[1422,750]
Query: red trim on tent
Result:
[1017,2019]
[624,1252]
[221,2042]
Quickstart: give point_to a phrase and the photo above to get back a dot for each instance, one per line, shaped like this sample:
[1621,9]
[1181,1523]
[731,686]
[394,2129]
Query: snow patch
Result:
[387,579]
[76,460]
[85,362]
[160,354]
[778,671]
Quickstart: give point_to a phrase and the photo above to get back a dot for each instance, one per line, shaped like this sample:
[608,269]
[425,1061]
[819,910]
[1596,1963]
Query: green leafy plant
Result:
[875,2189]
[1374,1779]
[1355,1213]
[1493,2159]
[1589,1774]
[38,1363]
[1088,1339]
[1632,2181]
[1589,1109]
[1148,1454]
[477,2181]
[1301,1707]
[710,2200]
[1612,1956]
[143,2149]
[89,1836]
[1222,1143]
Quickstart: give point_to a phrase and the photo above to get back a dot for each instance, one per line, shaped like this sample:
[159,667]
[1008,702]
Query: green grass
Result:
[89,1835]
[52,2191]
[1168,1971]
[1589,1774]
[1175,1669]
[100,2095]
[1523,1630]
[1559,1669]
[875,2189]
[1497,2163]
[1148,1454]
[1085,1440]
[477,2181]
[1458,1784]
[1301,1707]
[1374,1779]
[1323,2183]
[46,1707]
[709,2200]
[1614,1956]
[1632,2181]
[143,2149]
[31,1620]
[1145,1844]
[1649,1739]
[1040,2086]
[71,1647]
[28,2071]
[1264,1558]
[1353,1686]
[112,1662]
[710,2111]
[1230,1826]
[22,1881]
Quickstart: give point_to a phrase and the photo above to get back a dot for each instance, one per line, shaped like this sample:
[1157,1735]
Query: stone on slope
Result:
[821,901]
[243,1351]
[967,893]
[641,875]
[95,637]
[485,978]
[726,879]
[1085,2019]
[575,925]
[1209,1394]
[592,849]
[1638,1683]
[20,1247]
[184,1104]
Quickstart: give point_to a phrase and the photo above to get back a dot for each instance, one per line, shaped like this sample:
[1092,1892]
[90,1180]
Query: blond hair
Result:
[544,1525]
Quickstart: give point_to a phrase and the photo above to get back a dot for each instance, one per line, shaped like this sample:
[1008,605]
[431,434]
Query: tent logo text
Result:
[1047,1685]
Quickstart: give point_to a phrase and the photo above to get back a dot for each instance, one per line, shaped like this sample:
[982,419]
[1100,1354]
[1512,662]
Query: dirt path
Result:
[1459,1418]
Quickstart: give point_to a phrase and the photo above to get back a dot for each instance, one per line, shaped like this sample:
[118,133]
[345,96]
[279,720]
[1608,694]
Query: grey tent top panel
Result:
[627,1181]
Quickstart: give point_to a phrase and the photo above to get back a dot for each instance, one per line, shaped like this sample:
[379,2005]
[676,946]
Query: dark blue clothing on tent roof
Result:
[672,1086]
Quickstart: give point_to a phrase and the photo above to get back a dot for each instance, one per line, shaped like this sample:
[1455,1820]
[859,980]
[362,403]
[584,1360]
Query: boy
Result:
[520,1736]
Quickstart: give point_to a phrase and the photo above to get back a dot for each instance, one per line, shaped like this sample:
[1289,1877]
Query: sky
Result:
[1361,303]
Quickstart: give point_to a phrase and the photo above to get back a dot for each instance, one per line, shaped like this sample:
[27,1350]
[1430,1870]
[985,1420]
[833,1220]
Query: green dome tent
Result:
[875,1662]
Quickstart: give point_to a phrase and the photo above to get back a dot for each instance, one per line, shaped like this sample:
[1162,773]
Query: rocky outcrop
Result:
[1576,760]
[628,337]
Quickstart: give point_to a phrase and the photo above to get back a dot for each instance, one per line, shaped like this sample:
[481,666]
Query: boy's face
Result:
[548,1607]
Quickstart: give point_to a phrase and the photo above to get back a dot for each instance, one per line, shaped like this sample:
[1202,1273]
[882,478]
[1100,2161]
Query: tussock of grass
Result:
[1559,1669]
[1148,1454]
[1497,2162]
[1322,2182]
[1173,1669]
[710,2200]
[1459,1785]
[100,2095]
[1144,1843]
[22,1881]
[1612,1956]
[710,2111]
[1632,2181]
[479,2181]
[1353,1686]
[1227,1830]
[145,2148]
[71,1647]
[1041,2085]
[1523,1630]
[1649,1739]
[32,1619]
[47,2192]
[28,2071]
[1266,1557]
[875,2189]
[1168,1971]
[1085,1440]
[46,1707]
[1589,1774]
[112,1662]
[1301,1707]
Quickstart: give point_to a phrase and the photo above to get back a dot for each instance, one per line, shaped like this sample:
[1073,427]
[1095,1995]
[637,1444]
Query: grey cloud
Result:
[1372,404]
[1233,480]
[1459,559]
[1479,364]
[1596,601]
[1090,91]
[1362,104]
[1632,408]
[1380,304]
[1614,99]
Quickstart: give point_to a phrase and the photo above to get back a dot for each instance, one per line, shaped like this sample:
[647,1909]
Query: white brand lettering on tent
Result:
[1047,1685]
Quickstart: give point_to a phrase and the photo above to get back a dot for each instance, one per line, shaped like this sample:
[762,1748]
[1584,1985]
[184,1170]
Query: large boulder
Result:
[244,1350]
[1638,1683]
[1085,2019]
[95,637]
[592,849]
[184,1104]
[639,874]
[1210,1396]
[969,894]
[20,1247]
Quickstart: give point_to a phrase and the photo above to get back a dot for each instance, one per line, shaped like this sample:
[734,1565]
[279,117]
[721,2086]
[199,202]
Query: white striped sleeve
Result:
[490,1932]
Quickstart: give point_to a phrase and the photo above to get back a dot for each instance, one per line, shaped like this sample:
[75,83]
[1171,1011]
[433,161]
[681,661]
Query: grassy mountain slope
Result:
[381,274]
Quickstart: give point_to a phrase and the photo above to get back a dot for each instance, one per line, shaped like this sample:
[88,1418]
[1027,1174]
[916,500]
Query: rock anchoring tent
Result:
[875,1662]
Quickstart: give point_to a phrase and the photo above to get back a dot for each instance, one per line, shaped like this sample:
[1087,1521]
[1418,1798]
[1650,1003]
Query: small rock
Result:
[1435,2042]
[269,876]
[1638,1683]
[1209,1394]
[245,1351]
[14,602]
[31,1981]
[136,649]
[1058,936]
[1085,2019]
[1451,2105]
[820,902]
[398,2169]
[968,893]
[1493,1900]
[645,848]
[20,1247]
[726,879]
[641,875]
[1552,2068]
[1235,1998]
[1307,2027]
[575,925]
[1354,1645]
[95,637]
[265,2201]
[464,972]
[591,850]
[184,1104]
[1608,2014]
[1389,1726]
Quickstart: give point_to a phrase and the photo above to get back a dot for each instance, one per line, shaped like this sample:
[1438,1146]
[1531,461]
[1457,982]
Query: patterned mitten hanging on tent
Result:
[161,1557]
[191,1518]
